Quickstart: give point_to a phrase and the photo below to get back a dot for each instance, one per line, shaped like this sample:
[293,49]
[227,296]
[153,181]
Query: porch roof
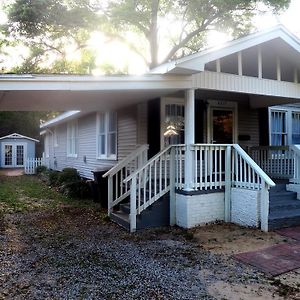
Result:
[86,93]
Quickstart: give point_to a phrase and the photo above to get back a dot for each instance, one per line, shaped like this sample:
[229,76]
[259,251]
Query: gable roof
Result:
[68,115]
[195,63]
[18,136]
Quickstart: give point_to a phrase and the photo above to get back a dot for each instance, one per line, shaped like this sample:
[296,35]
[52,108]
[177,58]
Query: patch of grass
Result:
[27,192]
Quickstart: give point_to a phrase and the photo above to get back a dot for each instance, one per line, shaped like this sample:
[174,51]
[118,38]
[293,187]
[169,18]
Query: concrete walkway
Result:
[11,172]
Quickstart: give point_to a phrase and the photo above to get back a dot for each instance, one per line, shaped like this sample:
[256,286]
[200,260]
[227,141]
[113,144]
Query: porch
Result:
[222,183]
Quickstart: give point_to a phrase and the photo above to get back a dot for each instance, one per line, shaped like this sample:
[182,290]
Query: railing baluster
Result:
[201,168]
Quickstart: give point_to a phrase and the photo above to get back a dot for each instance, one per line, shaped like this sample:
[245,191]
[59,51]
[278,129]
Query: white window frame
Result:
[164,101]
[289,111]
[55,138]
[47,145]
[72,139]
[106,133]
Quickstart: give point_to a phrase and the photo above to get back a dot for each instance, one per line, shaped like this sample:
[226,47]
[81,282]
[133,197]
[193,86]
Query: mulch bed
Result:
[274,260]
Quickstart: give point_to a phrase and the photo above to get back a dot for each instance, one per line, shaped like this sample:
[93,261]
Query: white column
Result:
[240,63]
[259,62]
[189,138]
[295,75]
[278,68]
[218,65]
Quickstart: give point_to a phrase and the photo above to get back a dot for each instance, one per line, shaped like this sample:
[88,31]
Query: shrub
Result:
[53,177]
[76,189]
[68,175]
[41,169]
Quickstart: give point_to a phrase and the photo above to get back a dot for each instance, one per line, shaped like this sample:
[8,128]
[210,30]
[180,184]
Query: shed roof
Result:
[18,136]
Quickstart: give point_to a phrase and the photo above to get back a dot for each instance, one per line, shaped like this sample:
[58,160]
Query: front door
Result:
[222,125]
[13,155]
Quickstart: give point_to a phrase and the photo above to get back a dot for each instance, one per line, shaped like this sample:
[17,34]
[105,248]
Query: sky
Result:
[123,57]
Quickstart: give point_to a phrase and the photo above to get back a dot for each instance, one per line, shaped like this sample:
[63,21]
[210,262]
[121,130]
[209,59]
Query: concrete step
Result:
[283,196]
[157,214]
[121,219]
[284,218]
[284,205]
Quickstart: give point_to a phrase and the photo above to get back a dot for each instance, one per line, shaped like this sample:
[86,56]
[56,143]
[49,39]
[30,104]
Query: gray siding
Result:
[127,131]
[86,149]
[127,142]
[248,125]
[142,130]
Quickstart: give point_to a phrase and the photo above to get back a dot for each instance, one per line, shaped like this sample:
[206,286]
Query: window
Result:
[172,128]
[278,128]
[107,135]
[47,145]
[296,128]
[72,137]
[55,137]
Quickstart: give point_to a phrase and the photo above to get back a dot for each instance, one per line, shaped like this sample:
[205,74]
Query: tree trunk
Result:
[153,34]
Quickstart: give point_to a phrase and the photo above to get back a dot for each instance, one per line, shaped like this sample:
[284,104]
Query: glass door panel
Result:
[222,126]
[8,155]
[19,155]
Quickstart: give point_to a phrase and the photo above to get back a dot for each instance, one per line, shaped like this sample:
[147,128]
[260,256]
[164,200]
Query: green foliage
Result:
[41,169]
[197,18]
[68,175]
[53,177]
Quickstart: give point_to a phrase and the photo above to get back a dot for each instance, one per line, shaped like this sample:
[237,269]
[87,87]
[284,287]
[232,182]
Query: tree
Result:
[191,19]
[48,28]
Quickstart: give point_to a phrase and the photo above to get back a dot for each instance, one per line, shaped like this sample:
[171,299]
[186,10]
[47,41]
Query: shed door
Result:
[13,155]
[8,155]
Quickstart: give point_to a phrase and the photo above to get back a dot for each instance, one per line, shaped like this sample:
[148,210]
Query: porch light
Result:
[170,131]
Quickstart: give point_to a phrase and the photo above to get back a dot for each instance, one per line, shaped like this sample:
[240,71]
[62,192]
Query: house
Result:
[15,149]
[187,144]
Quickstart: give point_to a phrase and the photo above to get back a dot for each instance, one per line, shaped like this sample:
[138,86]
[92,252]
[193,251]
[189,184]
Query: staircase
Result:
[156,215]
[284,207]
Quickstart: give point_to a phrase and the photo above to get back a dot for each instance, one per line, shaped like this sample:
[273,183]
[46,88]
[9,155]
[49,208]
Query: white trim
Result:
[63,117]
[163,102]
[211,54]
[222,105]
[18,136]
[106,116]
[72,138]
[14,154]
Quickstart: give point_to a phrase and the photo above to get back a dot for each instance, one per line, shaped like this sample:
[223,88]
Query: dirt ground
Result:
[230,239]
[55,248]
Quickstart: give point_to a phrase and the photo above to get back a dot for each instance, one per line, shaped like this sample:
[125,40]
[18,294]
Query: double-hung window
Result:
[278,128]
[72,138]
[107,135]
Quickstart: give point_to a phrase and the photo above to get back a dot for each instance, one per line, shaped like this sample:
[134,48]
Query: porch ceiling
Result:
[85,93]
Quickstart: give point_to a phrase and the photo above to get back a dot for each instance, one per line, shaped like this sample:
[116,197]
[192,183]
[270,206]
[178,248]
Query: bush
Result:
[76,189]
[41,169]
[68,175]
[53,177]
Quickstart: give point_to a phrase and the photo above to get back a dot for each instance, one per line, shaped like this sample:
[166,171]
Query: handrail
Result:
[124,161]
[254,165]
[127,179]
[270,148]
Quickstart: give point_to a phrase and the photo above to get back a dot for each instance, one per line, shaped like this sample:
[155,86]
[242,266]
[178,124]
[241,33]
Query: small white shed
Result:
[15,149]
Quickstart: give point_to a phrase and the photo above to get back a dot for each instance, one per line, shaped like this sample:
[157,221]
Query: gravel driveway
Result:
[73,253]
[65,251]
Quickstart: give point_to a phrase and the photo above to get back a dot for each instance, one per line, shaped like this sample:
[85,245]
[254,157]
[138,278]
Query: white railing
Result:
[248,175]
[215,167]
[117,189]
[31,164]
[276,161]
[151,182]
[209,166]
[296,175]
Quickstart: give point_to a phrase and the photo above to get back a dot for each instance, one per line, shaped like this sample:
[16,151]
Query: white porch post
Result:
[189,139]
